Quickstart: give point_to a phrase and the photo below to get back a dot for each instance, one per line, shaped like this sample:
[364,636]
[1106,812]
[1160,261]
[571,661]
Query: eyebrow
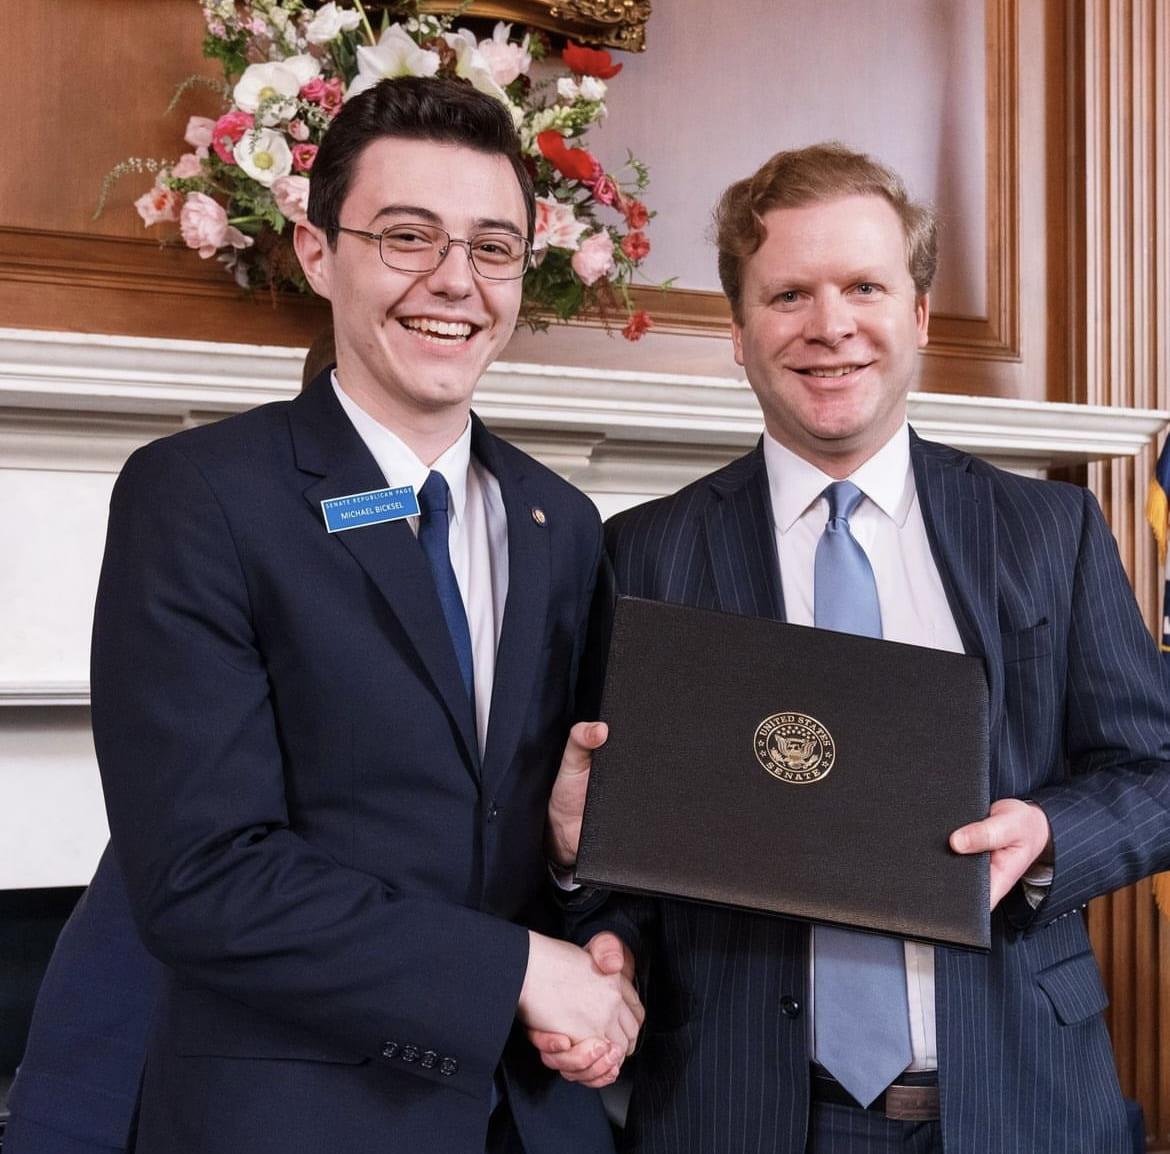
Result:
[481,224]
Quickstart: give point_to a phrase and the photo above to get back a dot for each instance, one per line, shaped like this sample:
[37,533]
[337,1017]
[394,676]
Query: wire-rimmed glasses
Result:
[421,248]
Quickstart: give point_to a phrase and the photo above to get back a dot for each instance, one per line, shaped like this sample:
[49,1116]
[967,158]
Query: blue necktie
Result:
[860,1011]
[433,535]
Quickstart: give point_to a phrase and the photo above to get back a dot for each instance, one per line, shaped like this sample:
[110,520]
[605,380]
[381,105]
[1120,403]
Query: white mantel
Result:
[73,406]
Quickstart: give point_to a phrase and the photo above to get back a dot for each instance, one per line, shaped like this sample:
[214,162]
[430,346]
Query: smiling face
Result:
[411,347]
[830,330]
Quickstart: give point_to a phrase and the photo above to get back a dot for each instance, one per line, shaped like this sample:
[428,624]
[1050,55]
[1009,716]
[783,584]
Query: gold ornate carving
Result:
[610,23]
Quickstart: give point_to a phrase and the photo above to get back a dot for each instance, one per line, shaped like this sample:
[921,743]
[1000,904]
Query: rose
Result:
[303,156]
[589,62]
[200,132]
[594,259]
[327,93]
[635,246]
[329,23]
[158,205]
[505,60]
[187,167]
[557,225]
[264,155]
[606,191]
[291,194]
[637,215]
[575,163]
[228,129]
[204,226]
[637,326]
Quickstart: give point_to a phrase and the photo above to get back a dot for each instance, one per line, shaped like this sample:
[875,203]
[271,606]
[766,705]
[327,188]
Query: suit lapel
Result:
[525,609]
[741,543]
[958,508]
[328,446]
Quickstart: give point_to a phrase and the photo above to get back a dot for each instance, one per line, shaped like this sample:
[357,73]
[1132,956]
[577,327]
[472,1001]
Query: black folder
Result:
[790,770]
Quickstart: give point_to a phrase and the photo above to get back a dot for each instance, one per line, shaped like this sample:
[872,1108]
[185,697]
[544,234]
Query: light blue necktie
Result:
[433,535]
[860,1012]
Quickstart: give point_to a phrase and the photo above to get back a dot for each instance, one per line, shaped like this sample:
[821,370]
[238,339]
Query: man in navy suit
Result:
[827,265]
[327,718]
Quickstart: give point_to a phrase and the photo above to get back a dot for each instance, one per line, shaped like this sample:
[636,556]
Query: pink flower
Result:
[314,90]
[187,167]
[557,225]
[228,129]
[291,194]
[505,60]
[303,156]
[327,93]
[594,259]
[204,225]
[297,129]
[635,246]
[158,205]
[200,131]
[606,190]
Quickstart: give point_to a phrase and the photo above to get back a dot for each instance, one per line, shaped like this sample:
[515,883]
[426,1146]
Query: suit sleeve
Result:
[222,889]
[1110,817]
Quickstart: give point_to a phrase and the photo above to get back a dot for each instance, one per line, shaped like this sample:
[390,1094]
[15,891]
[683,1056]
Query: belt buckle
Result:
[911,1103]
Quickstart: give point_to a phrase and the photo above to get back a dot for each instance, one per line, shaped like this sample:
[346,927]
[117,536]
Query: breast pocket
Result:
[1027,644]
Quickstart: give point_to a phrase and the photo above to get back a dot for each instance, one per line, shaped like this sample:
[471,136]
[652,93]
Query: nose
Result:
[454,277]
[830,320]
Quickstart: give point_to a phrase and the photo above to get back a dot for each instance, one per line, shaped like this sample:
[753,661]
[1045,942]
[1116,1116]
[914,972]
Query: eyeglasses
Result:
[422,248]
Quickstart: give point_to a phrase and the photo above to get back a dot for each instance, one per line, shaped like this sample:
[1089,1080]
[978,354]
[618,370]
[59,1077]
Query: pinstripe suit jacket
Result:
[1080,723]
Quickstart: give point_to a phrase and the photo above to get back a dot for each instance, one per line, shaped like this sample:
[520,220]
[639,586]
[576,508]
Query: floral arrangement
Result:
[290,65]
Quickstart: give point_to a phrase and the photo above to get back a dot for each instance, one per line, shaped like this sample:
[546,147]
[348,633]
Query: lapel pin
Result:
[538,516]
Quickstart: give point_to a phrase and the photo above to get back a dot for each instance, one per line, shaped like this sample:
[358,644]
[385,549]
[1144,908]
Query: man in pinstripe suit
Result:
[827,266]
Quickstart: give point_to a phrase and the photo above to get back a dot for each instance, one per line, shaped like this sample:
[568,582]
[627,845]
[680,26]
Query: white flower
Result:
[395,54]
[568,89]
[471,64]
[274,85]
[263,155]
[329,23]
[557,225]
[505,60]
[592,89]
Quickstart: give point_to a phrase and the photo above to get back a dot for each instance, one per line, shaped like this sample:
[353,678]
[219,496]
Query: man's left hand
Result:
[1014,832]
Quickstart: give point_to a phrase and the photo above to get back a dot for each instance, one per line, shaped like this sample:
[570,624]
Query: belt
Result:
[913,1098]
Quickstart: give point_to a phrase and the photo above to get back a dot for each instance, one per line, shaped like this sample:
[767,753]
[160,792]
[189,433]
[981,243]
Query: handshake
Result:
[580,1006]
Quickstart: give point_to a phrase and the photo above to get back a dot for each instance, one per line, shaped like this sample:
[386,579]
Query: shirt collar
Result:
[887,479]
[399,463]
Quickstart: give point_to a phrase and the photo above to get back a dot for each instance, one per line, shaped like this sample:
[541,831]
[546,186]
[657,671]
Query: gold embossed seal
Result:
[795,748]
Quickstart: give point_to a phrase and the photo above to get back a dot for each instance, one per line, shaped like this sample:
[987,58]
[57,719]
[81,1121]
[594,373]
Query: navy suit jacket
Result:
[337,883]
[1080,722]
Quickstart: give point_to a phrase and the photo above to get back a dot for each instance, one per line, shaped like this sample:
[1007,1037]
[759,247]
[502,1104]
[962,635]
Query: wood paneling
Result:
[1120,210]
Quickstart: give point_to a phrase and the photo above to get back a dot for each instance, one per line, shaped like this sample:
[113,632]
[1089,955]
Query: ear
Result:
[315,255]
[922,319]
[737,341]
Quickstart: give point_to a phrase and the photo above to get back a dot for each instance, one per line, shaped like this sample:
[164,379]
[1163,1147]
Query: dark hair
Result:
[414,108]
[806,176]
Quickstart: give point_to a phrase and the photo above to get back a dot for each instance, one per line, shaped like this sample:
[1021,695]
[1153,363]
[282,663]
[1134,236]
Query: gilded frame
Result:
[609,23]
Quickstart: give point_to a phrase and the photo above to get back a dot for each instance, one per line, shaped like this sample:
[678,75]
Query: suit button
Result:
[409,1053]
[447,1067]
[493,811]
[789,1007]
[389,1049]
[429,1059]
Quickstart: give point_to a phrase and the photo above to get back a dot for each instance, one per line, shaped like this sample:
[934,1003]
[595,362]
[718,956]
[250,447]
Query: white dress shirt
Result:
[888,525]
[478,537]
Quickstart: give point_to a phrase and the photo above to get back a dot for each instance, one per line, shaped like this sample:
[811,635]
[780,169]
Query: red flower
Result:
[606,191]
[228,129]
[589,61]
[575,163]
[637,326]
[637,215]
[303,156]
[635,245]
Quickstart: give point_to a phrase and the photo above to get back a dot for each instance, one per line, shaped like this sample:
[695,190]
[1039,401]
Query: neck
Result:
[427,434]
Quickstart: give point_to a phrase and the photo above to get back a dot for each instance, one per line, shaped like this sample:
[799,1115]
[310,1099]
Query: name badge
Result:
[372,508]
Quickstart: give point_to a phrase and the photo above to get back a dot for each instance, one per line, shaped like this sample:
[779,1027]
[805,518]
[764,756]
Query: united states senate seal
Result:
[795,748]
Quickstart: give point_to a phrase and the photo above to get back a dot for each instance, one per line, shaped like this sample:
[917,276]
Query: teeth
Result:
[843,371]
[460,330]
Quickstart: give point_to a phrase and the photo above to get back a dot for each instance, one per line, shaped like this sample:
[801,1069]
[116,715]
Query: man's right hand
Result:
[568,998]
[593,1061]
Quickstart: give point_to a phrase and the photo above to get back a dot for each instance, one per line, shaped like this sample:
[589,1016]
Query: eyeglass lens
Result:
[421,248]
